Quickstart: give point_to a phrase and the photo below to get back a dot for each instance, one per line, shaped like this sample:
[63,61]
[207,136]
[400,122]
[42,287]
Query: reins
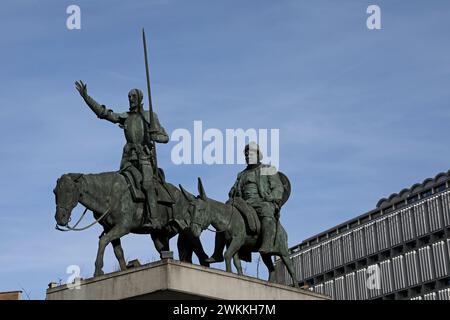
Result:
[74,228]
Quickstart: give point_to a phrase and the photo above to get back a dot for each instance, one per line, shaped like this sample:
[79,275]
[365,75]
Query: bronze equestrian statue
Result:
[136,199]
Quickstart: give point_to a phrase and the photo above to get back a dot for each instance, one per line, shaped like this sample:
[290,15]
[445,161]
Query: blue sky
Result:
[361,113]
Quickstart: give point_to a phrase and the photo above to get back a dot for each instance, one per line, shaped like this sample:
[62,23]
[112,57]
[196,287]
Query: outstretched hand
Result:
[81,87]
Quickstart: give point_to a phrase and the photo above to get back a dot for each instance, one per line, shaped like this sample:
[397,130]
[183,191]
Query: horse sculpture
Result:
[227,219]
[108,196]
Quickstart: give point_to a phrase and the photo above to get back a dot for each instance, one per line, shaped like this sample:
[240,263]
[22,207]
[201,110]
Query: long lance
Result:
[152,120]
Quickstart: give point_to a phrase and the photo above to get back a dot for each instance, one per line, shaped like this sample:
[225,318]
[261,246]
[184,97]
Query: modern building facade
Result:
[399,250]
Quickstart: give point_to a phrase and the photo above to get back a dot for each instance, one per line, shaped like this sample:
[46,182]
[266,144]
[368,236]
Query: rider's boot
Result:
[152,222]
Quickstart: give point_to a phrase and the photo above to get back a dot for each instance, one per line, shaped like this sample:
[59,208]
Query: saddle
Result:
[253,225]
[248,213]
[134,180]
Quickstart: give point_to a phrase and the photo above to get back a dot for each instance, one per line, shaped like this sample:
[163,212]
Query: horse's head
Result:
[199,209]
[66,198]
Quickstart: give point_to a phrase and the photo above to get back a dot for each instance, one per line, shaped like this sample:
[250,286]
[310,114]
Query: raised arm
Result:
[100,110]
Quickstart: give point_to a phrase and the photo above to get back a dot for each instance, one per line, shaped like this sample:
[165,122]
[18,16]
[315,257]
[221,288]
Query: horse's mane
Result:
[100,182]
[75,176]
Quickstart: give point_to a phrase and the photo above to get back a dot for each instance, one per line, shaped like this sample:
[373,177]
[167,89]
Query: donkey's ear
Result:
[186,194]
[201,190]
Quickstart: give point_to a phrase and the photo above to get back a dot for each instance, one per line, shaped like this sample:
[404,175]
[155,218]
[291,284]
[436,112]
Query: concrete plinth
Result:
[170,279]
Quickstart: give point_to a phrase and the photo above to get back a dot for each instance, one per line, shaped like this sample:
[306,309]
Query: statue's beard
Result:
[134,107]
[251,163]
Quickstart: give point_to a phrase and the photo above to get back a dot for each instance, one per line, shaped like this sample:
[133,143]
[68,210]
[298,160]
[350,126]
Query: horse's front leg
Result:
[187,244]
[115,233]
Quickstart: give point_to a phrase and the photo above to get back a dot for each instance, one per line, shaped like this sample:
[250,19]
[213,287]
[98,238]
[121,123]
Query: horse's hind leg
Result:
[184,248]
[161,242]
[119,253]
[290,267]
[115,233]
[267,259]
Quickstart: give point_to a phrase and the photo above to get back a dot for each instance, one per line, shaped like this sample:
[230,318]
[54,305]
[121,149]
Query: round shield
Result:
[286,187]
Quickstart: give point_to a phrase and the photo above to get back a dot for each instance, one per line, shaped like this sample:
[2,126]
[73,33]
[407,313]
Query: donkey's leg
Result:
[115,233]
[290,267]
[233,247]
[196,246]
[119,253]
[267,259]
[219,245]
[237,264]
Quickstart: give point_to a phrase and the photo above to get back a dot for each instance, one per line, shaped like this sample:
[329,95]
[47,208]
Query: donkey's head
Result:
[66,198]
[199,209]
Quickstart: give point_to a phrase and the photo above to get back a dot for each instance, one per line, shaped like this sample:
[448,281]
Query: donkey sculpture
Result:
[227,219]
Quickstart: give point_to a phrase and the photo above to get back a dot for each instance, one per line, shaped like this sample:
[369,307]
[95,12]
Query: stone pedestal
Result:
[170,279]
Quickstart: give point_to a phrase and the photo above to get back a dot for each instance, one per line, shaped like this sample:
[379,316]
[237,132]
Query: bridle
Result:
[65,208]
[195,222]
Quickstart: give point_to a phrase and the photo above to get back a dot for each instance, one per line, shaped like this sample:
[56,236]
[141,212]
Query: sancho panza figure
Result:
[138,150]
[261,188]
